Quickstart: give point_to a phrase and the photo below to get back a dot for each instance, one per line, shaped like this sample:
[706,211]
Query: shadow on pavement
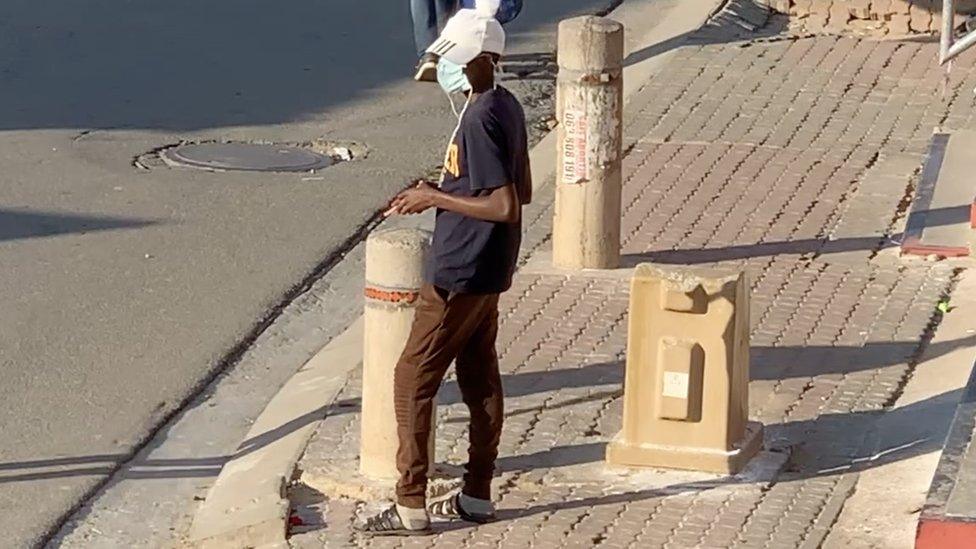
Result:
[883,437]
[711,34]
[907,432]
[152,468]
[606,379]
[817,246]
[105,464]
[185,65]
[767,363]
[23,224]
[188,65]
[775,363]
[804,246]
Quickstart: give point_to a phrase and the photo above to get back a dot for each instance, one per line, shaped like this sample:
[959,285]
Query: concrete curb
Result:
[247,506]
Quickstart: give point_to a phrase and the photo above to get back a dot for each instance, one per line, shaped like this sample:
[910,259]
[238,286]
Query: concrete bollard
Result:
[686,391]
[394,273]
[589,108]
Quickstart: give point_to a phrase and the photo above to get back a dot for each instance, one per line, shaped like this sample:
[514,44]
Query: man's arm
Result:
[526,195]
[500,205]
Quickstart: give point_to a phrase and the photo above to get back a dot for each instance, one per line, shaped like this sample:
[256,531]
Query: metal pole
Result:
[962,45]
[945,42]
[589,107]
[949,47]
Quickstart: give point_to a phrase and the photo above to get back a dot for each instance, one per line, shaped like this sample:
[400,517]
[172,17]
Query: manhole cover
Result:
[246,156]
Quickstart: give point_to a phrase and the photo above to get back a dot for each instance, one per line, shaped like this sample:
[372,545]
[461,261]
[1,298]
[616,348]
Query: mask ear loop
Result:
[453,108]
[457,128]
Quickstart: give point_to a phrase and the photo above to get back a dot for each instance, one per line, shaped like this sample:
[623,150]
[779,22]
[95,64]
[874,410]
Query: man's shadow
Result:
[888,437]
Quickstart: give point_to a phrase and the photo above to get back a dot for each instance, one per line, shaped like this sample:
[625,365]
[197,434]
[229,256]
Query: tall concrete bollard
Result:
[589,108]
[394,273]
[686,391]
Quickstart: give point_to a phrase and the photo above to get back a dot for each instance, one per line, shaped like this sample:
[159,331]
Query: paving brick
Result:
[830,106]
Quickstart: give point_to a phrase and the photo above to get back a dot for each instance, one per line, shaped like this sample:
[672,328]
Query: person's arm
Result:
[500,205]
[526,195]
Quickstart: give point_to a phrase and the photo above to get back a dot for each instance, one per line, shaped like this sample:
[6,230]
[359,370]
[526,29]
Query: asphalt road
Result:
[122,289]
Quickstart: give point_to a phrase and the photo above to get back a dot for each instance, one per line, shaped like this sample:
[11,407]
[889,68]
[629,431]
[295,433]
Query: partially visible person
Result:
[429,17]
[503,10]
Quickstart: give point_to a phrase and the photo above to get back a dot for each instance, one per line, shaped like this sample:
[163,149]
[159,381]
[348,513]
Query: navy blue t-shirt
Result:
[490,151]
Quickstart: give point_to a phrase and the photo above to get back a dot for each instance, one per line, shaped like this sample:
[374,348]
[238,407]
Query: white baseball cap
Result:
[467,34]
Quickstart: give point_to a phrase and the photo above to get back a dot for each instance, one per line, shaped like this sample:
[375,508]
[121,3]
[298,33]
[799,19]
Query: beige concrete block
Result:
[867,27]
[898,25]
[820,6]
[921,17]
[936,24]
[780,6]
[880,9]
[859,9]
[394,274]
[839,15]
[900,7]
[802,8]
[686,391]
[816,21]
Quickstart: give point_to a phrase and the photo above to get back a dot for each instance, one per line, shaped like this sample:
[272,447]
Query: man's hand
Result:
[415,200]
[500,205]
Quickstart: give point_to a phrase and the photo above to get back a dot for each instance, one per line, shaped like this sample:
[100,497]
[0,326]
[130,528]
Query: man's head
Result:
[481,71]
[475,41]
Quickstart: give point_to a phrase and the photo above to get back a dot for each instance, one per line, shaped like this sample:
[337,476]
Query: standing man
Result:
[471,261]
[429,17]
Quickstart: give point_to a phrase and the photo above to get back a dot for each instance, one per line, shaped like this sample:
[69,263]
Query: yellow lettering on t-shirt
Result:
[451,163]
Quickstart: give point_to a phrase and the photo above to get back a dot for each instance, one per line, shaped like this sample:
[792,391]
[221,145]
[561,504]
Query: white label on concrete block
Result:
[574,156]
[676,384]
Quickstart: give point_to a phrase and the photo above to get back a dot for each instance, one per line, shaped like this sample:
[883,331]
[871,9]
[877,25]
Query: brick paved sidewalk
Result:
[789,157]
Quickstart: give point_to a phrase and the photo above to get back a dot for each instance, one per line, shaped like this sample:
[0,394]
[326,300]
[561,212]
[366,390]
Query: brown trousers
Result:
[448,327]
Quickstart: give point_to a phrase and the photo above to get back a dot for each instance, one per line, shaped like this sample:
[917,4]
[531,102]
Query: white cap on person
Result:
[469,33]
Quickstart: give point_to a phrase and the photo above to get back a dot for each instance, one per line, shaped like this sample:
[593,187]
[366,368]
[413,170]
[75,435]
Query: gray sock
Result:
[413,519]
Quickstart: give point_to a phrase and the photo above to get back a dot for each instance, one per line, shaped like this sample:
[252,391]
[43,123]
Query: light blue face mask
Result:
[451,77]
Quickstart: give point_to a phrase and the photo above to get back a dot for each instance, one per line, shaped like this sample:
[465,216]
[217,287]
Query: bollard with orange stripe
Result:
[394,273]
